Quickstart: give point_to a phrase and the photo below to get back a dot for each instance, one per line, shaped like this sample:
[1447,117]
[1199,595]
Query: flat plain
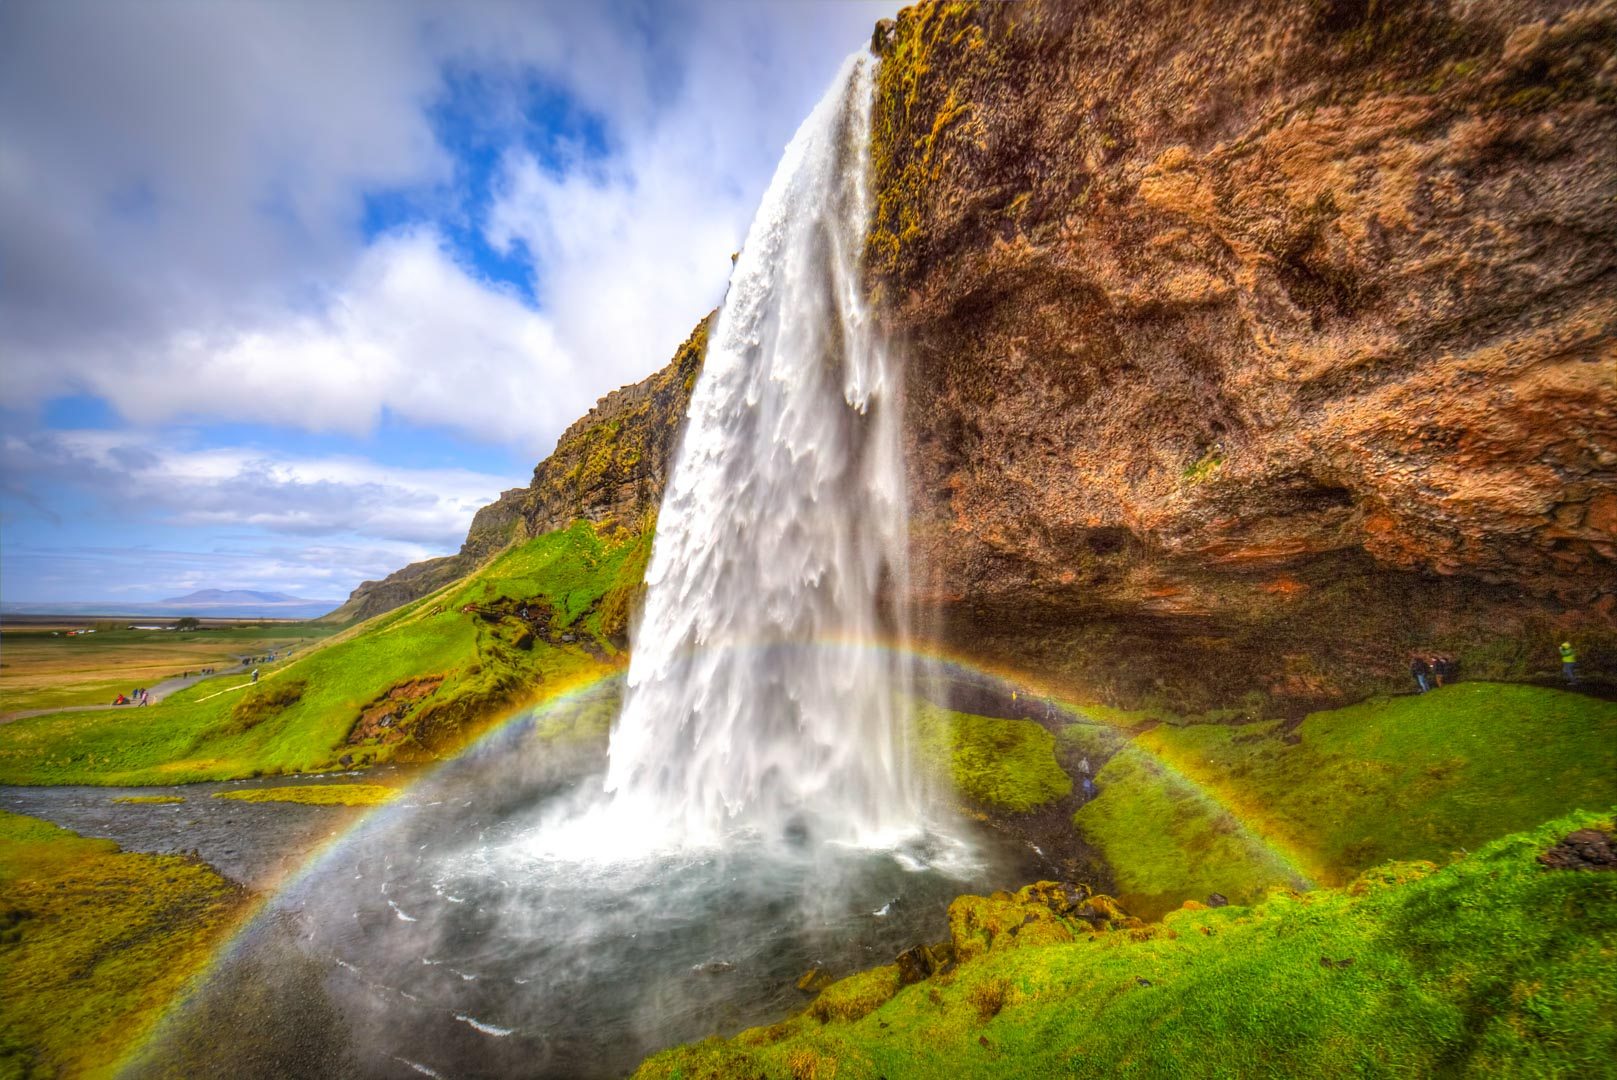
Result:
[42,667]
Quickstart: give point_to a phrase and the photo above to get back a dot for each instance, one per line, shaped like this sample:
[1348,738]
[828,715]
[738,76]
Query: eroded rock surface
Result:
[1252,345]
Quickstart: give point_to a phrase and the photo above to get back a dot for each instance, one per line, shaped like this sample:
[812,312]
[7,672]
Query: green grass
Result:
[1187,811]
[316,794]
[1002,764]
[94,943]
[1492,966]
[298,718]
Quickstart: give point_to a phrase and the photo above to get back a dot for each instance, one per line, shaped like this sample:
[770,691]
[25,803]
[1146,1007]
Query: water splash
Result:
[784,522]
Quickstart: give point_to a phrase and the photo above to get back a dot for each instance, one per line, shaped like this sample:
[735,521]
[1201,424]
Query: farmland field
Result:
[42,667]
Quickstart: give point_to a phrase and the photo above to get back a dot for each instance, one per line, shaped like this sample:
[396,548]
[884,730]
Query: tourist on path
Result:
[1569,663]
[1422,671]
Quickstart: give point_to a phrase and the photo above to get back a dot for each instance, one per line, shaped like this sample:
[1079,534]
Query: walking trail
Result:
[154,694]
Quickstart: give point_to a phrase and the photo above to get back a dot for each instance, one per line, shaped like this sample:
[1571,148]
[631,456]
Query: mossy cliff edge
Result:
[609,468]
[1252,345]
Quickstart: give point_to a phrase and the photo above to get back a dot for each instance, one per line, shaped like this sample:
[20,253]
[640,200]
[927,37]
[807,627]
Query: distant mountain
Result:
[210,603]
[234,596]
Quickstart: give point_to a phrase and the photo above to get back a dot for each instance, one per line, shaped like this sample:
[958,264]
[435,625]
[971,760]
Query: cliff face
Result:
[609,467]
[612,463]
[1253,344]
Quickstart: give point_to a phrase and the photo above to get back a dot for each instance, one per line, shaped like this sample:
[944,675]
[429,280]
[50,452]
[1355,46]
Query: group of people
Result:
[1431,670]
[137,696]
[267,658]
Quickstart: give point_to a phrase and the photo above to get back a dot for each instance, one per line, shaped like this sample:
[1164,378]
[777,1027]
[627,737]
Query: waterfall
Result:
[759,697]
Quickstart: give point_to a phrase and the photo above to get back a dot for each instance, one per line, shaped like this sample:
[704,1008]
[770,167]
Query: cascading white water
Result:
[759,697]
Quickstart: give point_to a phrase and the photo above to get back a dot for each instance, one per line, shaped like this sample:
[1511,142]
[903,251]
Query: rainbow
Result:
[1257,828]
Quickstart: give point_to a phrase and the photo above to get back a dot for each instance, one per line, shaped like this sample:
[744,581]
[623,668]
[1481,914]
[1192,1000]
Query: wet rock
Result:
[1218,900]
[882,36]
[713,967]
[923,961]
[1586,849]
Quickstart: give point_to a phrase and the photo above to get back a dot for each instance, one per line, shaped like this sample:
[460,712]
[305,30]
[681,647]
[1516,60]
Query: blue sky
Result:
[289,290]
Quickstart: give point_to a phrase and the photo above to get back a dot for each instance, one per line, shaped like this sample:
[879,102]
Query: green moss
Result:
[256,706]
[1492,966]
[316,794]
[1167,840]
[907,122]
[149,800]
[856,996]
[94,943]
[1005,764]
[1093,742]
[1203,468]
[1185,811]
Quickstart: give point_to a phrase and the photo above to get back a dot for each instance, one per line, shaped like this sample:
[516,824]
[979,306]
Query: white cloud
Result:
[410,332]
[181,188]
[242,489]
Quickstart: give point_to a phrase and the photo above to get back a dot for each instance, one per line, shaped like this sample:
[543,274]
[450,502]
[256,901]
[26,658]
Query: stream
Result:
[443,937]
[255,844]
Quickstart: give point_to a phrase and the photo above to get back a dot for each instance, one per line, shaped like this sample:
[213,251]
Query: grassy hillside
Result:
[1496,965]
[94,943]
[1184,811]
[409,684]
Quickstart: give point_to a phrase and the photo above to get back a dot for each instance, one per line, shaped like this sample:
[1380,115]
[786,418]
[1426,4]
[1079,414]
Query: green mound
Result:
[1496,965]
[94,944]
[1185,811]
[316,794]
[1001,764]
[410,684]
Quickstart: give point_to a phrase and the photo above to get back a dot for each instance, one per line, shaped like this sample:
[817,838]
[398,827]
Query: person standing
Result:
[1422,671]
[1569,663]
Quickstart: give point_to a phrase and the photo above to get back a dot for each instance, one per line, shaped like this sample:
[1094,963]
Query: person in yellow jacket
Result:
[1569,663]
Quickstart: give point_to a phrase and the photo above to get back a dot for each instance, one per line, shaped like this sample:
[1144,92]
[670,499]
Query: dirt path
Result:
[154,695]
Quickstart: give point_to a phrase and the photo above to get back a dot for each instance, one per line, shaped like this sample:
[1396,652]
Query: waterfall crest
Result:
[759,696]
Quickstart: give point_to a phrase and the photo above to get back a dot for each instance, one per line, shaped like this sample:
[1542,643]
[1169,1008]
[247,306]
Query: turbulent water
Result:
[756,816]
[784,525]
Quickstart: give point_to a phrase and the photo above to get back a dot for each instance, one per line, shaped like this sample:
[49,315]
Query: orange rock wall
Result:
[1252,345]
